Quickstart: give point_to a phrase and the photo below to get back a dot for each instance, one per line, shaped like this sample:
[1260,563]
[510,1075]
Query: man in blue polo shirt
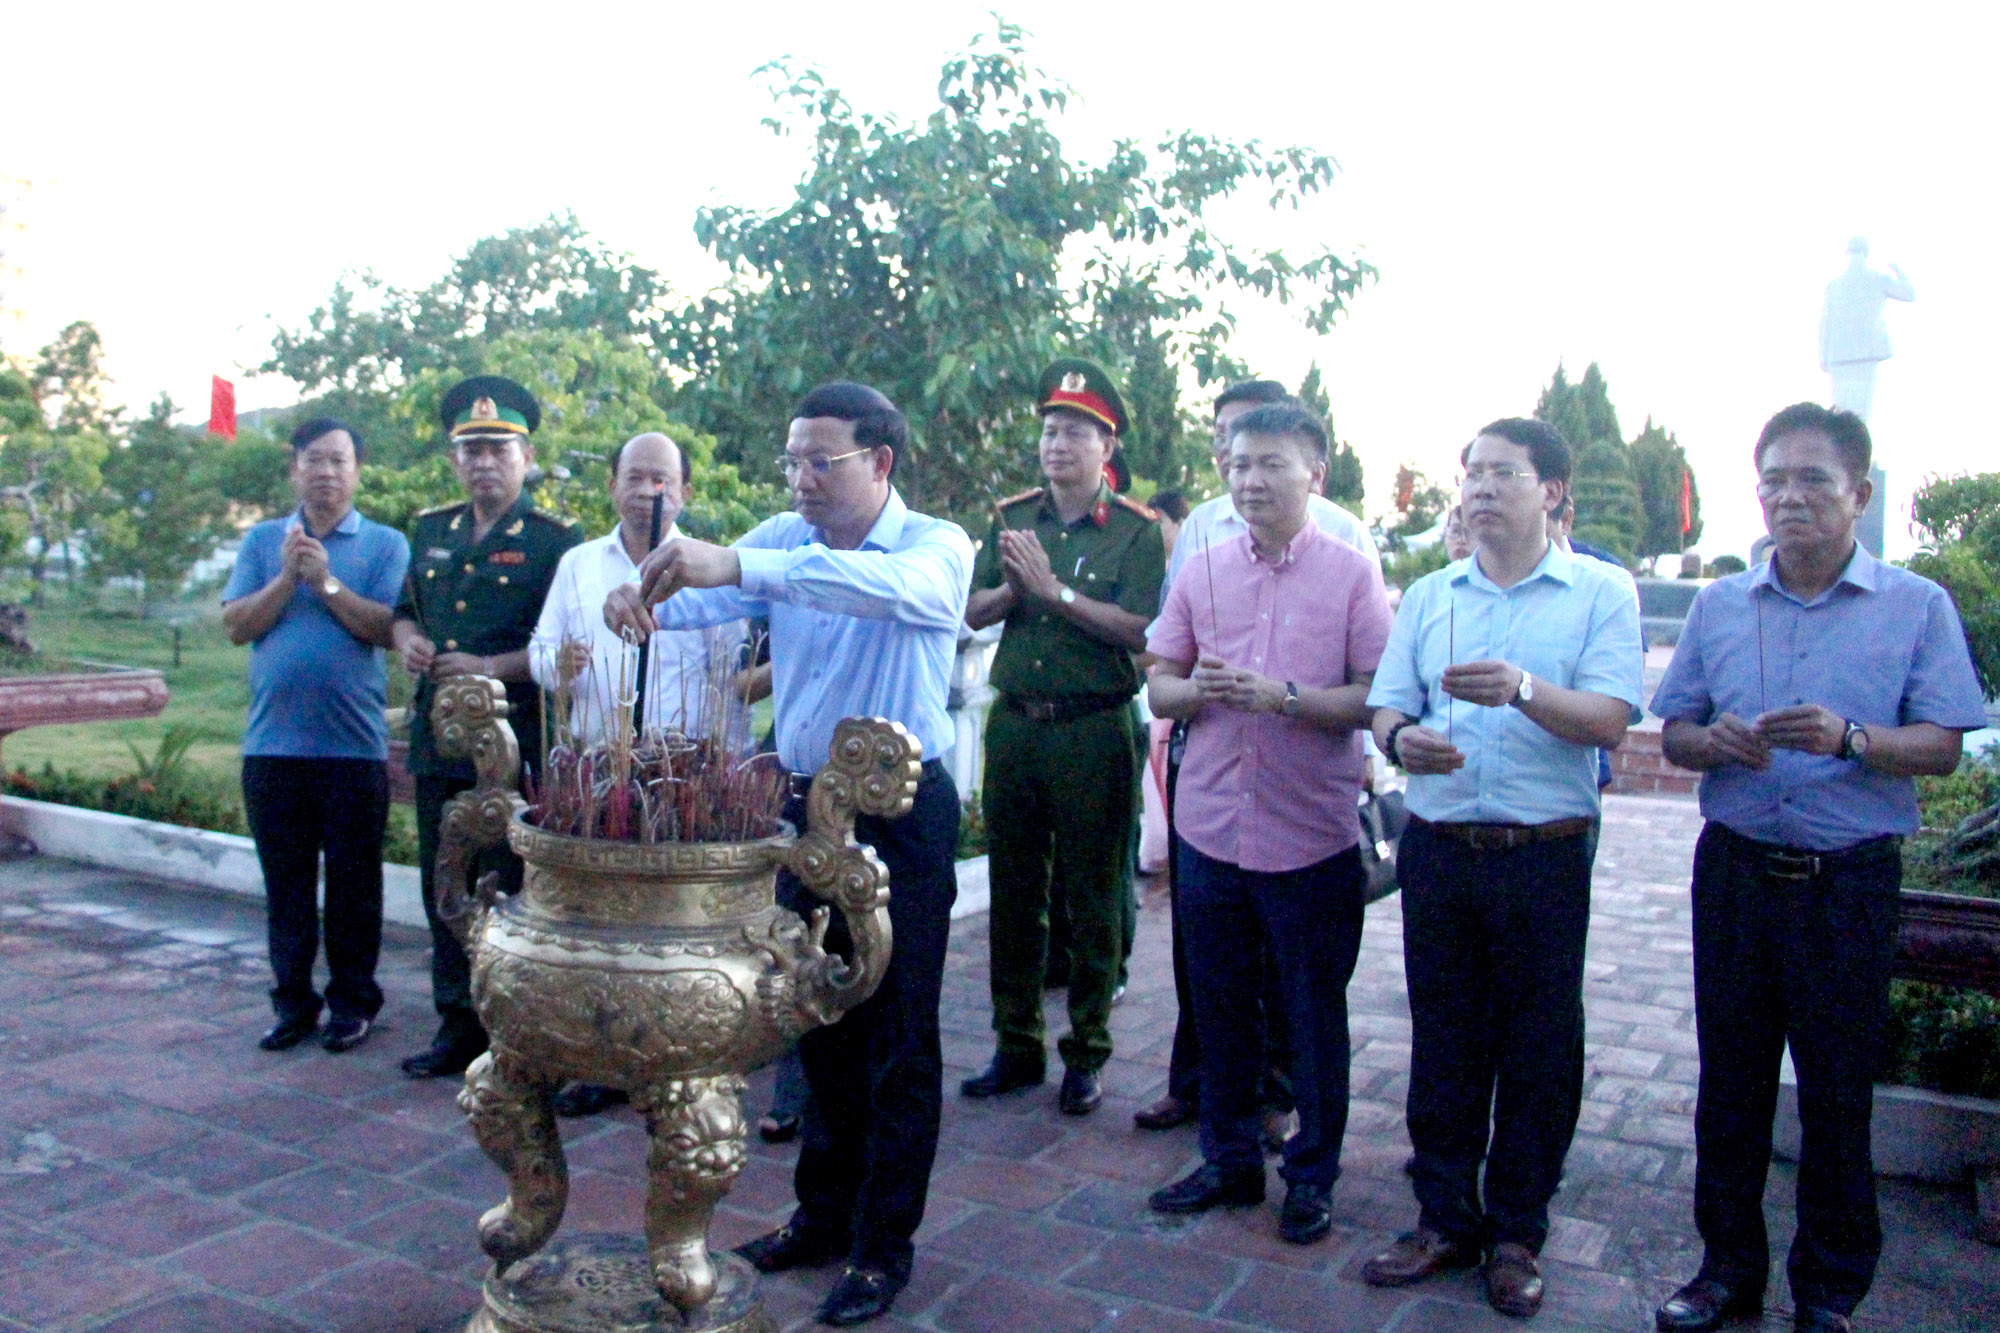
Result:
[1809,692]
[312,593]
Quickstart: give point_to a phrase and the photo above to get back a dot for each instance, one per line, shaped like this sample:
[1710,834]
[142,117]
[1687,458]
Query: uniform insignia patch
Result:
[507,558]
[514,529]
[1073,382]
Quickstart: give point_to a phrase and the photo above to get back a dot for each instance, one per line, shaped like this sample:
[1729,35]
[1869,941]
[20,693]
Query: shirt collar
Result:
[611,543]
[350,522]
[888,529]
[1859,572]
[1302,541]
[1099,511]
[1556,564]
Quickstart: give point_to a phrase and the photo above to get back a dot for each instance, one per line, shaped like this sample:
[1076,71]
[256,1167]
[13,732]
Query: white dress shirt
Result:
[678,660]
[1213,522]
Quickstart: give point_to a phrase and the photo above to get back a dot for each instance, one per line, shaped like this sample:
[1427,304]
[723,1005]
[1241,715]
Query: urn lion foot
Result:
[600,1282]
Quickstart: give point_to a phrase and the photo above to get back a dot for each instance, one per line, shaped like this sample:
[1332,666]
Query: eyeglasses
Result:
[820,465]
[1499,472]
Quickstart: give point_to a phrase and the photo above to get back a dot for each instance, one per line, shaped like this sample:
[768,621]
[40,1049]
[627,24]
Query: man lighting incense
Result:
[864,598]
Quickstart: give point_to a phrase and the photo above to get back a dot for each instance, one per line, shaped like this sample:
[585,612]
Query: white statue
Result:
[1852,337]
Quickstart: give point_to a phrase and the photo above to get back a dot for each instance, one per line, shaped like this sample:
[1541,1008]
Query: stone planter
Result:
[53,701]
[1950,940]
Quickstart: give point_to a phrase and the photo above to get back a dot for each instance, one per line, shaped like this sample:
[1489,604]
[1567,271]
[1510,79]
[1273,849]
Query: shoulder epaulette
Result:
[1033,493]
[441,509]
[553,519]
[1142,511]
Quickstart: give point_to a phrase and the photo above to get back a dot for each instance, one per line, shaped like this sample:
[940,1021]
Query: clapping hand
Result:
[304,557]
[1220,683]
[1491,684]
[1026,565]
[1806,727]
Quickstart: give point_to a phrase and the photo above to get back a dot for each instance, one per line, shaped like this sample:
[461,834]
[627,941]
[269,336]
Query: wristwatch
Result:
[1066,596]
[1853,743]
[330,587]
[1527,691]
[1290,707]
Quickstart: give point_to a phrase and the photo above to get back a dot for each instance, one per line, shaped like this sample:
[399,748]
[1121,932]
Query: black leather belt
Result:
[1063,708]
[1506,837]
[1801,864]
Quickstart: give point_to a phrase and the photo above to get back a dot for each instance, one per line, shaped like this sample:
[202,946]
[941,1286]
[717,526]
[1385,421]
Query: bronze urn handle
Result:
[469,720]
[873,770]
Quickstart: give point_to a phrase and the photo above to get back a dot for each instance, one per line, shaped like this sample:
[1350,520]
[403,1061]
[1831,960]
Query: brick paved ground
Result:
[158,1174]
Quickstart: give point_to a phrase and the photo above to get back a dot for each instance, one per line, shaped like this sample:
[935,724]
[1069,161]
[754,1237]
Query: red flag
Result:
[221,407]
[1687,503]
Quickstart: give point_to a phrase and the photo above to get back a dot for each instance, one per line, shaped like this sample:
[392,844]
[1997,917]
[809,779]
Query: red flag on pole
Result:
[1687,503]
[221,407]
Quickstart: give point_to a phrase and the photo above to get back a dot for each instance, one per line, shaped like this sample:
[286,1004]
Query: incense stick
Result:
[1450,660]
[1208,563]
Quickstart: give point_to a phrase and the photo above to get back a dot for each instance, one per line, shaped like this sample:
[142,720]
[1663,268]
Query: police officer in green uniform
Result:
[479,571]
[1074,569]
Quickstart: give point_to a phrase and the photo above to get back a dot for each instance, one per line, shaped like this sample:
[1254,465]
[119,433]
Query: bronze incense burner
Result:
[664,969]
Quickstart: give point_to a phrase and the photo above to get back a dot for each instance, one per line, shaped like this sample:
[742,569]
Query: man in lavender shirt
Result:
[1809,692]
[1267,651]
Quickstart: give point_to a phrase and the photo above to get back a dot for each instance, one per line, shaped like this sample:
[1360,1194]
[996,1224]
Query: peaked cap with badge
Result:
[489,407]
[1084,386]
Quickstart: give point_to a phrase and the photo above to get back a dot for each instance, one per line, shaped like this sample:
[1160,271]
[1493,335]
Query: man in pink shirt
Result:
[1267,646]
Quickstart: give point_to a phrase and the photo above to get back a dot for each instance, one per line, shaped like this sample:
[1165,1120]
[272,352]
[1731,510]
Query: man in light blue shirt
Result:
[1503,676]
[1809,692]
[312,592]
[864,598]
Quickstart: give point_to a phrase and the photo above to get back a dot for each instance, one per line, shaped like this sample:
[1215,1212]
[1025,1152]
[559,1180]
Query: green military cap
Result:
[489,407]
[1083,386]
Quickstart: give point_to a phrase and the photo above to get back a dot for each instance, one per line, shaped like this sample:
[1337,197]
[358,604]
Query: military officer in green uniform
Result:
[479,571]
[1074,569]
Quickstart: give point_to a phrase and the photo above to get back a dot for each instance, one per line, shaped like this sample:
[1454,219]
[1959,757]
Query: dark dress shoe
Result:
[1208,1187]
[1170,1112]
[861,1294]
[344,1032]
[1514,1281]
[779,1128]
[1007,1073]
[790,1246]
[1819,1319]
[1707,1303]
[1081,1092]
[1307,1215]
[1415,1256]
[581,1099]
[446,1057]
[288,1033]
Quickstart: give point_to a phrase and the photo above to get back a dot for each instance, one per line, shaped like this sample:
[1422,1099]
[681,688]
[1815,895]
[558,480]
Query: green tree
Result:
[159,511]
[947,262]
[1958,520]
[1344,484]
[1657,467]
[1581,411]
[1608,512]
[596,392]
[371,341]
[48,471]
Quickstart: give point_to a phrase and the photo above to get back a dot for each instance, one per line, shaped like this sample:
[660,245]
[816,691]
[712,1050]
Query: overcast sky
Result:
[1664,190]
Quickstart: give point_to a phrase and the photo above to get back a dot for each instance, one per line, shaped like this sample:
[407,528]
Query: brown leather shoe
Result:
[1415,1256]
[1170,1112]
[1514,1280]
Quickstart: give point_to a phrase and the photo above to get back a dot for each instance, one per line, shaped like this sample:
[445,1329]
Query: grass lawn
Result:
[209,691]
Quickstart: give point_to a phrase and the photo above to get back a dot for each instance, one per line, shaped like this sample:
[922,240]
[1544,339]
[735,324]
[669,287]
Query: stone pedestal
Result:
[602,1282]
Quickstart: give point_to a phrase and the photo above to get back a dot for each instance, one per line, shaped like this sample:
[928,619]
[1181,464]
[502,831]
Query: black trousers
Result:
[1311,920]
[451,970]
[299,809]
[1802,960]
[1493,951]
[1184,1060]
[877,1076]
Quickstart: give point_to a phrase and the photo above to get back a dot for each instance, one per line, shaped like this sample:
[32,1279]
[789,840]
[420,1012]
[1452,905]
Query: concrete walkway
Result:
[158,1174]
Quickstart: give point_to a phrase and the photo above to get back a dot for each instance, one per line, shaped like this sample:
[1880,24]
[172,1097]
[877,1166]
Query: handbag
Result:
[1383,817]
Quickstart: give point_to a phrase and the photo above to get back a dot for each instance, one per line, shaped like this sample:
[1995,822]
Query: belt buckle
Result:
[1040,710]
[1491,839]
[1793,868]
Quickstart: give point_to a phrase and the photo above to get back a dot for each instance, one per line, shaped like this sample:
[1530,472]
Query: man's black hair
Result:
[877,423]
[687,464]
[305,433]
[1547,450]
[1170,504]
[1847,432]
[1250,391]
[1286,418]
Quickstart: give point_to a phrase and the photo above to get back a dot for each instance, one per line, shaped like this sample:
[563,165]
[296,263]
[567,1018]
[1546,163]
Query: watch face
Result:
[330,587]
[1527,687]
[1857,740]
